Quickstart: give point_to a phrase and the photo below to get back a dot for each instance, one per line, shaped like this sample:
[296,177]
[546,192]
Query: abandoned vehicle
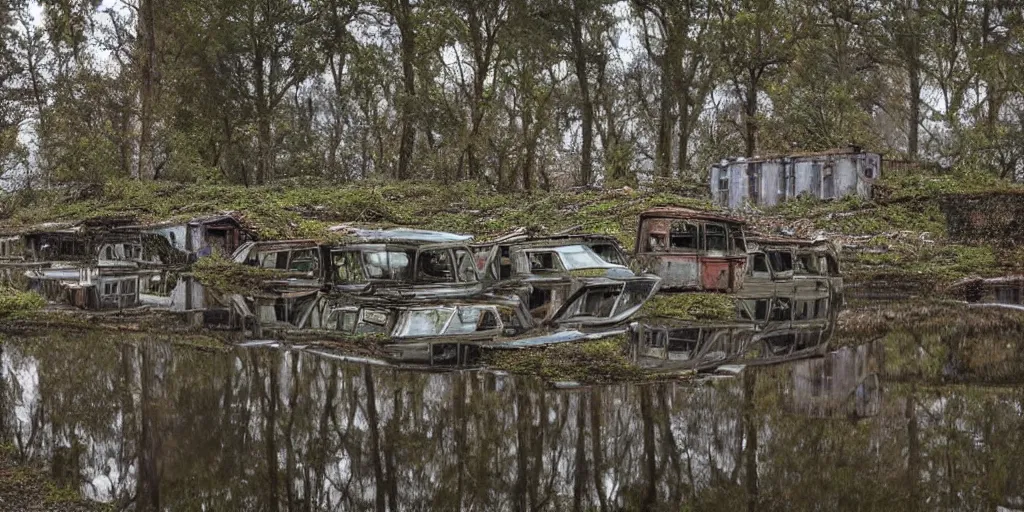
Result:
[303,258]
[770,180]
[548,272]
[692,250]
[84,245]
[402,263]
[436,331]
[792,267]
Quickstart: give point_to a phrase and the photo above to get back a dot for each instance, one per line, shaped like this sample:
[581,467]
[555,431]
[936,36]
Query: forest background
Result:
[510,94]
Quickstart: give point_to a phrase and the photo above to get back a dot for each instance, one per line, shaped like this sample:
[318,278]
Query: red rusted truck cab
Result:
[692,250]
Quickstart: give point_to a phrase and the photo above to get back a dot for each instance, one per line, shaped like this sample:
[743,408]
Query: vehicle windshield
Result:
[389,264]
[426,322]
[576,257]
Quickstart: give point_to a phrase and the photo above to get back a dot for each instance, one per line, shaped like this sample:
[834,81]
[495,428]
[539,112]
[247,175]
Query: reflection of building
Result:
[770,180]
[843,383]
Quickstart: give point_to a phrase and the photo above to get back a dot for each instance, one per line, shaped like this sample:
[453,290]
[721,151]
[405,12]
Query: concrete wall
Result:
[851,174]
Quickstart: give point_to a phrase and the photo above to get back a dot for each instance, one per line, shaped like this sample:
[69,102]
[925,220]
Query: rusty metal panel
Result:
[715,274]
[680,271]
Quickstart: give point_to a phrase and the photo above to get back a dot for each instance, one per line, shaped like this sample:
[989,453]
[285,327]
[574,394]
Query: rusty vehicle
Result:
[808,269]
[692,250]
[200,237]
[549,272]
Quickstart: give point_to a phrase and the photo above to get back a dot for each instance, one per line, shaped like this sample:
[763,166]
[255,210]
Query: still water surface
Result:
[155,426]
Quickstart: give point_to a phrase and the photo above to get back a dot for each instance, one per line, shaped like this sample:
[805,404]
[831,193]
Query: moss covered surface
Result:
[591,362]
[306,211]
[690,306]
[226,276]
[941,341]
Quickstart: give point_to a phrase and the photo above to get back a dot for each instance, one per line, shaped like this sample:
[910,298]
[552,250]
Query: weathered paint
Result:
[770,180]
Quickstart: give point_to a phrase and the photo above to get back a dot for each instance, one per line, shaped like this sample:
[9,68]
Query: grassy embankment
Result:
[902,234]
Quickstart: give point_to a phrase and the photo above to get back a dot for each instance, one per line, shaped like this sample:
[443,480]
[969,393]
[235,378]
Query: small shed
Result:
[770,180]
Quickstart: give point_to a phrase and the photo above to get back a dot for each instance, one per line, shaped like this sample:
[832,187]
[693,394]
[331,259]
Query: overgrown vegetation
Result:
[15,302]
[589,362]
[229,277]
[690,306]
[307,211]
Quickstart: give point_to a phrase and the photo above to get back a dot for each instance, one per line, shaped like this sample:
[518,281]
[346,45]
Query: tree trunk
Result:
[408,53]
[147,87]
[586,102]
[750,111]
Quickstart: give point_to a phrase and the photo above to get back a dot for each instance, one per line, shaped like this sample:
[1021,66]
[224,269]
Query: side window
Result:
[685,236]
[544,261]
[305,260]
[504,262]
[435,266]
[347,267]
[466,266]
[782,261]
[717,239]
[759,266]
[278,260]
[656,242]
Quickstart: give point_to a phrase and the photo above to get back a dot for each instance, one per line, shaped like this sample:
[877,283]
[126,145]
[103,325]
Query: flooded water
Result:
[155,426]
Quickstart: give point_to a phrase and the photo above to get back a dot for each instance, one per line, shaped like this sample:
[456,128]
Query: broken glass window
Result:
[436,266]
[716,237]
[467,269]
[347,267]
[684,236]
[305,260]
[576,257]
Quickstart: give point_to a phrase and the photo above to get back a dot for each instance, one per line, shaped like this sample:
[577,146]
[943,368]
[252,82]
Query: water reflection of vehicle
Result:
[765,331]
[1006,290]
[844,383]
[692,250]
[420,331]
[94,288]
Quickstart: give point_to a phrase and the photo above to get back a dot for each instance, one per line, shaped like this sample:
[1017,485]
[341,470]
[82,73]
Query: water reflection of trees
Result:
[176,429]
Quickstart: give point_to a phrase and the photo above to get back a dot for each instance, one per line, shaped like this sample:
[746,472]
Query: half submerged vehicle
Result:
[549,272]
[802,268]
[692,250]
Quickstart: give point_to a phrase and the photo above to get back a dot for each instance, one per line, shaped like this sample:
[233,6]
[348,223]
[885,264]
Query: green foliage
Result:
[585,362]
[230,277]
[13,302]
[690,306]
